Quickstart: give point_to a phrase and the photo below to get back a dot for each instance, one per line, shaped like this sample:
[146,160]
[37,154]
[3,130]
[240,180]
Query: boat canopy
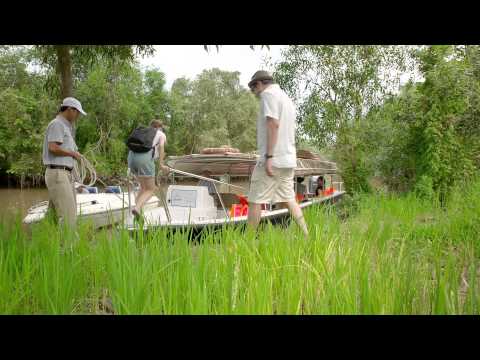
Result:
[239,164]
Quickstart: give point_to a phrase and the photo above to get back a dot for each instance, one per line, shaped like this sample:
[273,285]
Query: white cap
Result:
[72,102]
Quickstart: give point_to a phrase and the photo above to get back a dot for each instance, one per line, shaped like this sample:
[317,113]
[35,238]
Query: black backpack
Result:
[141,139]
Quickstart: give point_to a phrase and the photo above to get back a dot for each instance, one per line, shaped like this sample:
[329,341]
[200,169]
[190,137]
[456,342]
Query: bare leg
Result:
[137,196]
[140,192]
[147,188]
[297,214]
[254,214]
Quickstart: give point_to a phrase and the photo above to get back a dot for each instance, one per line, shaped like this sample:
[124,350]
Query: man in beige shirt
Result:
[59,154]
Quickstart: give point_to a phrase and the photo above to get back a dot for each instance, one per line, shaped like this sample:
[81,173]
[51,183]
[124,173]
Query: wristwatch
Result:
[268,156]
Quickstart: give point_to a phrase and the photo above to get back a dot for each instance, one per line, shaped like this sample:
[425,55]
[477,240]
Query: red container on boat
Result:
[238,210]
[328,191]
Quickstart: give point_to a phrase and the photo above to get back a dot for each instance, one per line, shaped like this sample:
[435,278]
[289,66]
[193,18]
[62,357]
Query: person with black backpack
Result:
[146,144]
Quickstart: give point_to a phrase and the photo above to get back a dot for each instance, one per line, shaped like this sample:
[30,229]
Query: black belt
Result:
[60,167]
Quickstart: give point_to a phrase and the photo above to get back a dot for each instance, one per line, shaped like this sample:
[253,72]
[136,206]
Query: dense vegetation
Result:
[211,110]
[423,137]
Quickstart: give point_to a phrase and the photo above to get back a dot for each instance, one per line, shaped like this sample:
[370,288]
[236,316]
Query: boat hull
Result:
[275,217]
[101,209]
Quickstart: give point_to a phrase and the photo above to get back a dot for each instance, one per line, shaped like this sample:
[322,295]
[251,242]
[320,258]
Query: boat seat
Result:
[113,189]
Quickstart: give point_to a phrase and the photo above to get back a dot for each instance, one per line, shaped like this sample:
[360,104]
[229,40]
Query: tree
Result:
[65,58]
[156,96]
[207,47]
[427,137]
[118,97]
[13,69]
[25,109]
[334,88]
[391,139]
[211,111]
[446,104]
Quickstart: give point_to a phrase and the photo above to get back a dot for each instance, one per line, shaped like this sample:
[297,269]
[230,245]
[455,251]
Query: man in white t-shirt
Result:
[272,178]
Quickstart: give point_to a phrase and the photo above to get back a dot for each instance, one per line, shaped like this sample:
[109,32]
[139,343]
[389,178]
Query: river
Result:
[14,200]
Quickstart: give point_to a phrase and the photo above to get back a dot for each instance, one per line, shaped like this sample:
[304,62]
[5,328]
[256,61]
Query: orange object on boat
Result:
[238,210]
[220,150]
[243,200]
[329,191]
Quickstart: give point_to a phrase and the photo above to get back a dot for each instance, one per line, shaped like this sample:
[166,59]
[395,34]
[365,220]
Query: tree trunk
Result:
[64,70]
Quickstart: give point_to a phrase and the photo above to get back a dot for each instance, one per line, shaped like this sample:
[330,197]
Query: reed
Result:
[393,255]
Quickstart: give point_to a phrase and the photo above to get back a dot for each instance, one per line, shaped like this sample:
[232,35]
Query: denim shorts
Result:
[141,164]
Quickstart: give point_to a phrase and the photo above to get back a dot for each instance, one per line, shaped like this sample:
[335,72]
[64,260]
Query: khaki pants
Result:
[276,188]
[62,196]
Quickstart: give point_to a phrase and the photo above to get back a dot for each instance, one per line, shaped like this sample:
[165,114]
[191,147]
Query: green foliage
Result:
[13,70]
[211,111]
[425,138]
[443,156]
[424,187]
[391,139]
[351,154]
[24,111]
[156,96]
[421,137]
[71,62]
[115,94]
[335,87]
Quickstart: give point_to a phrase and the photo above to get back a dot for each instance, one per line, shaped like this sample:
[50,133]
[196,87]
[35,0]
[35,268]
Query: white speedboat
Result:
[189,206]
[102,208]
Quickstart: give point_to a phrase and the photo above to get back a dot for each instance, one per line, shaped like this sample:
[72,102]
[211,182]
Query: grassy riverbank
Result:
[391,255]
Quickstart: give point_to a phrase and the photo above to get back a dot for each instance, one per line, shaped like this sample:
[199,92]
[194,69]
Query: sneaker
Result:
[136,214]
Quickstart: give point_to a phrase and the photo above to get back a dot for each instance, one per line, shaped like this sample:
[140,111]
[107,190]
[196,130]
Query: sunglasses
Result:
[253,86]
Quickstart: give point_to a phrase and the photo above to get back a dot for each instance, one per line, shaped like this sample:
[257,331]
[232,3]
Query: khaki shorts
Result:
[277,188]
[61,193]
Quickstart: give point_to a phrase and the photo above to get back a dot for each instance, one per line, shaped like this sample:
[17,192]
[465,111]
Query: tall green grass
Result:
[392,255]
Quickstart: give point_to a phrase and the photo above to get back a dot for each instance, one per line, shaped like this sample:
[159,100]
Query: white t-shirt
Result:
[275,103]
[159,139]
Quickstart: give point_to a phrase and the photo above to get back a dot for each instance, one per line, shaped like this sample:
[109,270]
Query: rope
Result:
[204,178]
[82,169]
